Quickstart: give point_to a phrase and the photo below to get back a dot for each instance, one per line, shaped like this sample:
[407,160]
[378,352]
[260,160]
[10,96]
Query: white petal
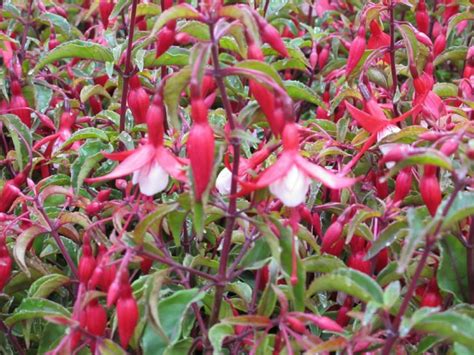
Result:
[152,179]
[385,148]
[292,188]
[224,181]
[135,176]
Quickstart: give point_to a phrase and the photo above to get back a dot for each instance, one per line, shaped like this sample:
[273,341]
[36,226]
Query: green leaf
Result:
[391,233]
[171,311]
[262,67]
[172,90]
[31,308]
[76,49]
[456,19]
[59,22]
[416,222]
[91,90]
[22,243]
[322,263]
[299,91]
[153,218]
[108,347]
[349,281]
[408,322]
[452,54]
[174,13]
[451,325]
[119,7]
[17,129]
[250,320]
[462,207]
[86,133]
[391,294]
[217,334]
[173,56]
[43,96]
[426,157]
[445,90]
[47,284]
[452,271]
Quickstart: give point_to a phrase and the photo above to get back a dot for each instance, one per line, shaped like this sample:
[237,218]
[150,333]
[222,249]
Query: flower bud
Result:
[295,324]
[332,242]
[422,17]
[356,51]
[430,192]
[105,9]
[18,104]
[87,263]
[450,147]
[356,261]
[127,315]
[165,38]
[96,318]
[5,265]
[431,299]
[138,100]
[402,184]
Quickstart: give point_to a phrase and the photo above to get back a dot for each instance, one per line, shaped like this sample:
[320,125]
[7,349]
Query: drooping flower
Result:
[151,164]
[289,178]
[356,50]
[138,100]
[378,39]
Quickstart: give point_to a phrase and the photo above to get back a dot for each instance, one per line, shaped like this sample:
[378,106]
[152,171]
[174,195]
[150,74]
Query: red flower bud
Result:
[104,195]
[323,58]
[5,265]
[295,324]
[332,242]
[342,318]
[165,38]
[439,45]
[402,184]
[105,9]
[138,100]
[431,299]
[87,263]
[18,104]
[313,57]
[356,261]
[381,260]
[264,278]
[356,51]
[430,192]
[94,208]
[271,36]
[96,318]
[357,244]
[422,17]
[200,147]
[127,315]
[96,104]
[450,147]
[146,264]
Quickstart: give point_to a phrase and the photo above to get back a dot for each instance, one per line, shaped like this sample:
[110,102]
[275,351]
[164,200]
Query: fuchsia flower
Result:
[151,164]
[289,178]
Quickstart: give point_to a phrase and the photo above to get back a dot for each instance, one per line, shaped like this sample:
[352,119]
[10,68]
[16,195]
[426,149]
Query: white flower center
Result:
[385,148]
[224,181]
[151,179]
[291,189]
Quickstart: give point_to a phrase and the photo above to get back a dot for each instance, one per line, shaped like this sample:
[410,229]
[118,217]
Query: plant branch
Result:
[470,261]
[128,59]
[393,69]
[232,208]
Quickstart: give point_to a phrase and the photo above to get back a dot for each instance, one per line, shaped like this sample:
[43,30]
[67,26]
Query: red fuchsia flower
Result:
[469,66]
[138,100]
[11,189]
[224,178]
[96,318]
[200,147]
[422,17]
[333,243]
[403,184]
[358,262]
[376,123]
[105,9]
[439,44]
[151,164]
[18,104]
[432,104]
[165,38]
[378,39]
[87,262]
[289,178]
[127,315]
[356,50]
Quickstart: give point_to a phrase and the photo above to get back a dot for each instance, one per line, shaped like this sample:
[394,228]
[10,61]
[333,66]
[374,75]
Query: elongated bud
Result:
[138,100]
[18,104]
[342,318]
[5,265]
[439,45]
[332,242]
[155,119]
[165,38]
[356,261]
[105,9]
[450,147]
[422,17]
[127,315]
[323,58]
[295,324]
[313,57]
[87,263]
[431,299]
[382,259]
[430,192]
[356,51]
[96,104]
[402,184]
[200,147]
[324,323]
[104,195]
[96,318]
[381,185]
[271,36]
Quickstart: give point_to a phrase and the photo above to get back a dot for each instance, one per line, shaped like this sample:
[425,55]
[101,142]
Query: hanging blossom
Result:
[289,178]
[151,164]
